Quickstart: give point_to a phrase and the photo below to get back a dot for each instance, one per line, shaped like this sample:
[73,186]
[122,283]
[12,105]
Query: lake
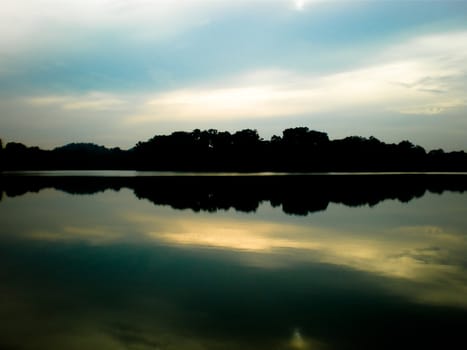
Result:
[121,261]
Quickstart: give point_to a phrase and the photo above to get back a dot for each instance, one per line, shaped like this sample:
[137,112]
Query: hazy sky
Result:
[115,72]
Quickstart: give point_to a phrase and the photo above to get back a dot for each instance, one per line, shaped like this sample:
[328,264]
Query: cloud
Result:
[425,75]
[411,79]
[48,27]
[432,109]
[97,101]
[34,24]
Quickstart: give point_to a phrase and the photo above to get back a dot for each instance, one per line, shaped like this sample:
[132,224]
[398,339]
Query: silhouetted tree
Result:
[18,156]
[302,149]
[89,156]
[1,156]
[297,150]
[247,151]
[303,136]
[246,137]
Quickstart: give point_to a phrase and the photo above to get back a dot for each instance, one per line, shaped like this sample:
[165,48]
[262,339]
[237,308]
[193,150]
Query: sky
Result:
[114,72]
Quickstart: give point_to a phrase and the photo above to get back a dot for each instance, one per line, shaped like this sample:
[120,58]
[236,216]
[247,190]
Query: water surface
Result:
[94,264]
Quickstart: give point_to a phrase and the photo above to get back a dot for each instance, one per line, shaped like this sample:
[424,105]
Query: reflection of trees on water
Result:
[296,194]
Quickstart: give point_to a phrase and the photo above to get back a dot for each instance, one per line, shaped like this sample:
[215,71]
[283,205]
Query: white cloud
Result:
[380,88]
[411,78]
[97,101]
[49,25]
[35,25]
[400,85]
[433,109]
[425,75]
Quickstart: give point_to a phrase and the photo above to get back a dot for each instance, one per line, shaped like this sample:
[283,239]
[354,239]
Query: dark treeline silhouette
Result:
[297,150]
[17,156]
[295,194]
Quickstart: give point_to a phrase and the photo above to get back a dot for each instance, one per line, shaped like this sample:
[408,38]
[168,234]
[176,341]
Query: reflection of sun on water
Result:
[297,341]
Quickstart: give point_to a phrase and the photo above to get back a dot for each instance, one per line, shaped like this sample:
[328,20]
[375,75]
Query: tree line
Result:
[295,194]
[296,150]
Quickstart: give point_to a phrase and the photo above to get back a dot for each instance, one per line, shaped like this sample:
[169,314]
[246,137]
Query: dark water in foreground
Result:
[117,264]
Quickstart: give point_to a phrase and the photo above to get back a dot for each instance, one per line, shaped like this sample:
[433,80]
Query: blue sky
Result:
[114,72]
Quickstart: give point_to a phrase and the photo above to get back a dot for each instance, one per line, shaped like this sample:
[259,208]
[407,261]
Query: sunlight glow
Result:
[299,5]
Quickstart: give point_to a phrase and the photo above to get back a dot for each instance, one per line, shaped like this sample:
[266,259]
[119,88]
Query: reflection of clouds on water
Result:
[262,237]
[99,235]
[425,261]
[428,256]
[132,251]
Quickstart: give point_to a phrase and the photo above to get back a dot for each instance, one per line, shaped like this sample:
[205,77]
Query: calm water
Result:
[113,270]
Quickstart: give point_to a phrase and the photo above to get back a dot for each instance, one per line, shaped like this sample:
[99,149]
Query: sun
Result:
[299,4]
